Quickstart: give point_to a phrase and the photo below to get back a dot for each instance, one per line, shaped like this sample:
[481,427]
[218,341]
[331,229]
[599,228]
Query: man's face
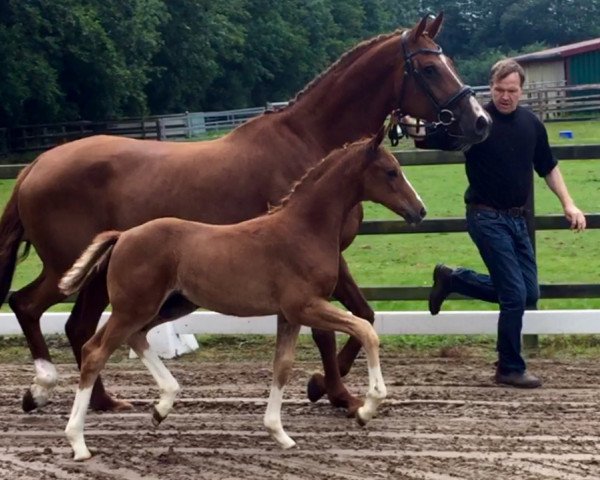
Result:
[506,93]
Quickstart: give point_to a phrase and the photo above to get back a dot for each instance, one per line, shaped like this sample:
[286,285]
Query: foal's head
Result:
[384,182]
[431,88]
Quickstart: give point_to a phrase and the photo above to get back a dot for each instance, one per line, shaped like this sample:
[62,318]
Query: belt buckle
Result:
[516,211]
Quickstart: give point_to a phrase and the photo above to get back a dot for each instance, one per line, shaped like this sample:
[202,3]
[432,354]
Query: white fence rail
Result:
[173,339]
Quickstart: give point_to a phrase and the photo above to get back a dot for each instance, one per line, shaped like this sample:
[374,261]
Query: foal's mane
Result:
[314,173]
[346,57]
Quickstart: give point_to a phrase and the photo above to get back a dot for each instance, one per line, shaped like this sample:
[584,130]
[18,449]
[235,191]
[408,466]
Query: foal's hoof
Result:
[157,418]
[82,455]
[316,387]
[106,403]
[28,404]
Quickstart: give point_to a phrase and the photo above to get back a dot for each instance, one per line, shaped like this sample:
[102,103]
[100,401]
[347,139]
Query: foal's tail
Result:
[93,259]
[11,234]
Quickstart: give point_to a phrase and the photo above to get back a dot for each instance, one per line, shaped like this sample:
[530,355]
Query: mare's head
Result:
[431,88]
[384,182]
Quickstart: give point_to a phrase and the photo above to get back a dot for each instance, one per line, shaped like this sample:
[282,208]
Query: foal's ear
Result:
[377,139]
[434,29]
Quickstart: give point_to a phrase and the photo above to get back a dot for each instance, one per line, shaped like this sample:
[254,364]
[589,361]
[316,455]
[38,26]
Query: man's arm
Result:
[429,138]
[555,181]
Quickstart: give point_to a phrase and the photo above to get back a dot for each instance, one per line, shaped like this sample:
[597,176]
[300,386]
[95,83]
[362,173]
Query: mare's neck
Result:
[352,100]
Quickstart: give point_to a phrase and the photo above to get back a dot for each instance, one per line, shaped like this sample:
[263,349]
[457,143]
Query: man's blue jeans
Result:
[505,247]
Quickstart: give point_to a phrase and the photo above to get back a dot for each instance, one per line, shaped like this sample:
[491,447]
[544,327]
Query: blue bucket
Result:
[565,134]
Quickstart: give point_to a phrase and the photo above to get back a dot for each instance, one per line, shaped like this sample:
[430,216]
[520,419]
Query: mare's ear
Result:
[377,139]
[418,30]
[434,29]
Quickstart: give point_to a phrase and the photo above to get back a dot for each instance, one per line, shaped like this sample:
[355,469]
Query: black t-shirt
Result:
[499,169]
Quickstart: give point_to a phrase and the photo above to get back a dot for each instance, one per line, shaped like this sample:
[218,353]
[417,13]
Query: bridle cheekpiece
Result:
[444,109]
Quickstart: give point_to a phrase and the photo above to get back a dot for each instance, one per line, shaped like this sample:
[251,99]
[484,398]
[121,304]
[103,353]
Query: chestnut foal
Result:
[283,262]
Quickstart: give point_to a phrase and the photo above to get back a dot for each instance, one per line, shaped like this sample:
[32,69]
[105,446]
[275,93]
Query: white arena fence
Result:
[177,337]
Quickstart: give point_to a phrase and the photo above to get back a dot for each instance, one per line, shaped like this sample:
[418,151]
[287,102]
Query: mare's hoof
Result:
[28,404]
[157,418]
[316,387]
[106,403]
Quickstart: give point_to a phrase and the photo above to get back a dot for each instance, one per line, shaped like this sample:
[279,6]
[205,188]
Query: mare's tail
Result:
[96,255]
[11,234]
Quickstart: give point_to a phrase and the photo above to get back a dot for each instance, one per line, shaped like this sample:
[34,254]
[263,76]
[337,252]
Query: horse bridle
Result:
[445,115]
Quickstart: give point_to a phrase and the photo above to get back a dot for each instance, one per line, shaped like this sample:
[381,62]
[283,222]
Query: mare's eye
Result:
[429,71]
[392,173]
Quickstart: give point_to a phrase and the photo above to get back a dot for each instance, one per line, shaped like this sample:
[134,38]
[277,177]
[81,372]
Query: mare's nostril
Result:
[481,125]
[423,212]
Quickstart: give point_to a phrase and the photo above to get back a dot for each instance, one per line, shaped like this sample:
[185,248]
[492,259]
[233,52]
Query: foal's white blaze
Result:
[377,392]
[411,187]
[44,381]
[74,430]
[272,418]
[168,386]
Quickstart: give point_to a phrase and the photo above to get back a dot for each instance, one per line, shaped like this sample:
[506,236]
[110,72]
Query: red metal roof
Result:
[560,52]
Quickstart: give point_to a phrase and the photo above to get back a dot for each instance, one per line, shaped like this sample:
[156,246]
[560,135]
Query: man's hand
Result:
[575,217]
[413,127]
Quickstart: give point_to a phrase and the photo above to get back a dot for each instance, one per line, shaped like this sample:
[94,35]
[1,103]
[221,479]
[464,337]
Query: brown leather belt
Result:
[513,212]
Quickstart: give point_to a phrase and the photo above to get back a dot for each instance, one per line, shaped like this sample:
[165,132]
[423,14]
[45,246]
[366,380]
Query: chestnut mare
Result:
[74,191]
[285,262]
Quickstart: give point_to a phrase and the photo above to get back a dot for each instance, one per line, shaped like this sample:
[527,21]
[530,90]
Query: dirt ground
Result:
[444,419]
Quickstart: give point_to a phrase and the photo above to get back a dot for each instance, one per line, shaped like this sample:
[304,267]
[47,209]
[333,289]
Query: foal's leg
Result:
[81,325]
[287,334]
[168,386]
[29,304]
[94,355]
[348,293]
[321,314]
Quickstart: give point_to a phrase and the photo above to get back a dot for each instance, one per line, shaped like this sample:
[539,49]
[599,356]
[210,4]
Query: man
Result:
[500,172]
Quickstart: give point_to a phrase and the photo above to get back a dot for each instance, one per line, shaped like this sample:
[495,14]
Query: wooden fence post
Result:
[161,131]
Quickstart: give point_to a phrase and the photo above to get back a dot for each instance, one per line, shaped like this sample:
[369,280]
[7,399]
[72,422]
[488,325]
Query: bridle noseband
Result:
[445,115]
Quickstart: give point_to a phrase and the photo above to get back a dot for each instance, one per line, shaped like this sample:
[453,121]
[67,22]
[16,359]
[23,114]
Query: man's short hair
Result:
[504,68]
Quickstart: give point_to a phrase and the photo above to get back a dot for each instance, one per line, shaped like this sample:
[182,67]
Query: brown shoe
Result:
[518,379]
[442,277]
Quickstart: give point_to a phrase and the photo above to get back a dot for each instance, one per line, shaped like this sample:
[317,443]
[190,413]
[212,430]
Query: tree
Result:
[197,37]
[70,59]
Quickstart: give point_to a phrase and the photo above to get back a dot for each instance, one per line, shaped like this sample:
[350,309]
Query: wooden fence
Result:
[549,102]
[447,225]
[182,126]
[555,101]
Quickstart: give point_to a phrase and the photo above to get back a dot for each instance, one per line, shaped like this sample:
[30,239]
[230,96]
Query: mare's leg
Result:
[29,304]
[348,293]
[94,355]
[168,386]
[287,334]
[321,314]
[81,325]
